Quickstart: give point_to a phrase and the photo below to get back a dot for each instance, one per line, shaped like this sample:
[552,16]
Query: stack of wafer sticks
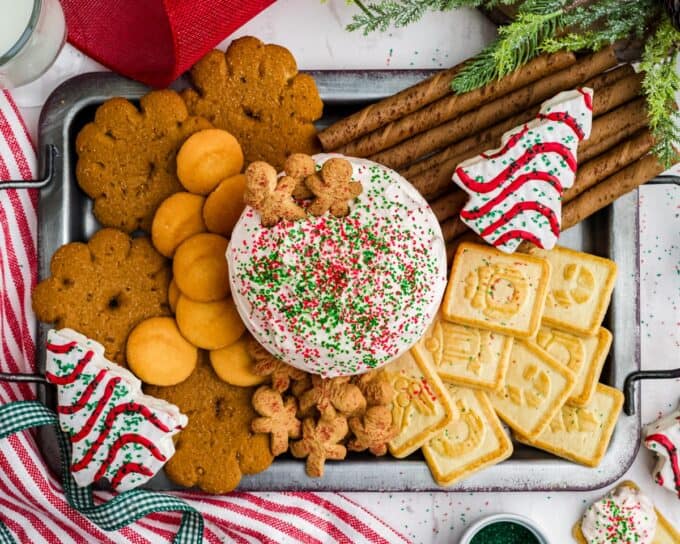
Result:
[425,131]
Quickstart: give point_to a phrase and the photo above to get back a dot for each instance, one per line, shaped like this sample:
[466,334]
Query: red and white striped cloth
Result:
[32,504]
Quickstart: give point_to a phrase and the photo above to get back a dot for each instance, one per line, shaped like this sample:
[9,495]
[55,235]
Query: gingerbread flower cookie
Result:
[255,92]
[126,157]
[217,446]
[104,288]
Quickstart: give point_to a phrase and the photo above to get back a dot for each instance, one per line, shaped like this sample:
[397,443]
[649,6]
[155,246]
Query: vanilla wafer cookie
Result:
[536,387]
[474,439]
[581,434]
[584,355]
[580,288]
[467,355]
[491,290]
[421,406]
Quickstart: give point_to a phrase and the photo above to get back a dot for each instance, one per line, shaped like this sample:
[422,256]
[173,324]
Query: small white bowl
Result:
[512,518]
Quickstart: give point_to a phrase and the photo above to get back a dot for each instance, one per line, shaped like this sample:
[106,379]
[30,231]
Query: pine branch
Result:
[517,43]
[660,84]
[593,27]
[399,13]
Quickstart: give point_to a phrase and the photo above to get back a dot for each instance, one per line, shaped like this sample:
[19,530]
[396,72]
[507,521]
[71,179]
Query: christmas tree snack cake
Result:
[345,277]
[663,438]
[116,431]
[516,190]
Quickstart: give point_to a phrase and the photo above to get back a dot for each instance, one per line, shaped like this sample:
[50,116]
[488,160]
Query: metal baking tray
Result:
[65,216]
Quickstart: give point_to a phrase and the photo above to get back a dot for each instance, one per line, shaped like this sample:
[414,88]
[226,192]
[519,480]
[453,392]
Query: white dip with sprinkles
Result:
[339,296]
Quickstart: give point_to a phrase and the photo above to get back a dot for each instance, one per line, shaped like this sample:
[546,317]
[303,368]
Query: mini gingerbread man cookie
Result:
[299,167]
[373,431]
[278,418]
[320,441]
[333,187]
[375,387]
[331,395]
[271,197]
[268,365]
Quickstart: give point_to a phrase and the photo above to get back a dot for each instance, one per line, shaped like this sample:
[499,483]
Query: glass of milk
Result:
[32,32]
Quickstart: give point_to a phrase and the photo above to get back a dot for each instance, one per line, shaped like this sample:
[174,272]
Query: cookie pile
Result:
[519,338]
[320,419]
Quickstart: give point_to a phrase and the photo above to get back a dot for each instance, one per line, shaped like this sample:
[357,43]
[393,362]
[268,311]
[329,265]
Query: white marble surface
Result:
[315,33]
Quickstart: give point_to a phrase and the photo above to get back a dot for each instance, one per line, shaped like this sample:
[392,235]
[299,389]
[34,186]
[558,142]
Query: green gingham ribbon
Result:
[124,509]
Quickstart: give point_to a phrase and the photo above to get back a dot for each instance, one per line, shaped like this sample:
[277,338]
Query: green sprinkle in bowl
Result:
[504,529]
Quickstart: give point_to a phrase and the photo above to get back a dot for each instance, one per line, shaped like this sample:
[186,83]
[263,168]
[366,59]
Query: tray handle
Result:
[23,378]
[51,154]
[629,406]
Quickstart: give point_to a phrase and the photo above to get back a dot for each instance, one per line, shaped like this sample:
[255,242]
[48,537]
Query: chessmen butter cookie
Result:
[256,93]
[421,406]
[126,157]
[497,292]
[580,288]
[468,356]
[536,387]
[581,434]
[583,355]
[474,439]
[102,289]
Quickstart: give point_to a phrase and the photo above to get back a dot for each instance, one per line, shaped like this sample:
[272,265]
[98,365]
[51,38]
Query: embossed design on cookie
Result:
[577,286]
[498,291]
[412,395]
[571,419]
[566,348]
[537,392]
[468,424]
[465,346]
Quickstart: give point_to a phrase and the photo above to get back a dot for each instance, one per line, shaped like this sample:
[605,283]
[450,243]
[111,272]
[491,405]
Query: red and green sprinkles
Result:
[614,520]
[343,295]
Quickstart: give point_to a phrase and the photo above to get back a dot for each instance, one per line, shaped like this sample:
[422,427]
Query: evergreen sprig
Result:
[551,25]
[660,85]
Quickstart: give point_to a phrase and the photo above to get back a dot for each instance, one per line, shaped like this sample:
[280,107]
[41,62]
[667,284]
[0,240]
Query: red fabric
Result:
[154,41]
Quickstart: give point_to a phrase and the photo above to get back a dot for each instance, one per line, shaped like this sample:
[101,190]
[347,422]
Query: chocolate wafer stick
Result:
[613,128]
[589,174]
[436,180]
[609,163]
[449,204]
[595,198]
[492,135]
[453,227]
[461,150]
[452,245]
[452,105]
[496,111]
[608,190]
[428,91]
